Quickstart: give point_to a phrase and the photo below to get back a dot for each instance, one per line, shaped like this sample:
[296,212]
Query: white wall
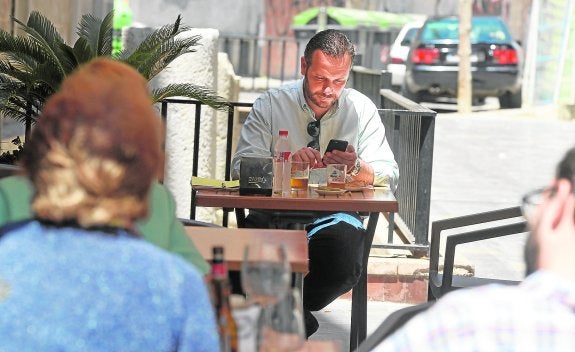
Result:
[199,68]
[228,16]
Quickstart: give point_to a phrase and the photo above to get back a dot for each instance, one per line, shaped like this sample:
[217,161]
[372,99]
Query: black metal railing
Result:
[410,130]
[254,57]
[232,110]
[369,82]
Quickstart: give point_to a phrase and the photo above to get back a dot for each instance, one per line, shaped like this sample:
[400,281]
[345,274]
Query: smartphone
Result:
[336,144]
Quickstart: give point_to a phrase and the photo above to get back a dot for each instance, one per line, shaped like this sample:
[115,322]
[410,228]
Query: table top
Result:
[366,200]
[235,240]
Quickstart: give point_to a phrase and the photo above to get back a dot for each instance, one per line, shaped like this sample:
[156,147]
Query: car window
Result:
[408,38]
[440,30]
[489,30]
[483,30]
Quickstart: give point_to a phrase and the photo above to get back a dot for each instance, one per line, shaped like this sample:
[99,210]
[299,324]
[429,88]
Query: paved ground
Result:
[483,161]
[489,160]
[335,319]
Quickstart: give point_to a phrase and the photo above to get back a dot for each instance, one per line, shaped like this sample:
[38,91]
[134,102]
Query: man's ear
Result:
[564,190]
[303,66]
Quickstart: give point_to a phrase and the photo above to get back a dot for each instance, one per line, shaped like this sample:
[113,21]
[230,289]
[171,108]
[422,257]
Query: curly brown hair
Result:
[96,148]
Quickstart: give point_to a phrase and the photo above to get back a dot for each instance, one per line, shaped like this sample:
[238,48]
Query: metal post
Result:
[464,53]
[322,19]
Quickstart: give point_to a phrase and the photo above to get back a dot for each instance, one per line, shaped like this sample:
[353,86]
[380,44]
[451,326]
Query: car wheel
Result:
[408,94]
[510,100]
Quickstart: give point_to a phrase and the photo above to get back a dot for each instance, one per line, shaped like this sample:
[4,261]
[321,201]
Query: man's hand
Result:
[338,157]
[311,155]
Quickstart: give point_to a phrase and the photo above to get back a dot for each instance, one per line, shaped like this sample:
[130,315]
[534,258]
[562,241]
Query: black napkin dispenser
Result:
[256,175]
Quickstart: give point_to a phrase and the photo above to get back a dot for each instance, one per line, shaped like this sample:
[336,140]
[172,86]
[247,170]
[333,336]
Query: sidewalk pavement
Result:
[334,320]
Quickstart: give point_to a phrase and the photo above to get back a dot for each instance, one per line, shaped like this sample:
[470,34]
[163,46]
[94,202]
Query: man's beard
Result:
[311,98]
[531,253]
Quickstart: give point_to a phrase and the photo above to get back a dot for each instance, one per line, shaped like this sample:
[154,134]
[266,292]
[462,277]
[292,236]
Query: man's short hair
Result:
[566,167]
[332,43]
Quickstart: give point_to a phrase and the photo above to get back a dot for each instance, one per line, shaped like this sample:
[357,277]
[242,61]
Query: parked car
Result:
[399,51]
[496,61]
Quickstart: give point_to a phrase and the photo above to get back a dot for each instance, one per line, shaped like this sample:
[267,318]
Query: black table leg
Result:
[358,329]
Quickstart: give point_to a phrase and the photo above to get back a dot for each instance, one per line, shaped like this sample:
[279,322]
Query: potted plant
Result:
[33,66]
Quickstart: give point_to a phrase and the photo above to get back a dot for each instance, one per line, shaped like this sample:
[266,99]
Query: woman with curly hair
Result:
[78,277]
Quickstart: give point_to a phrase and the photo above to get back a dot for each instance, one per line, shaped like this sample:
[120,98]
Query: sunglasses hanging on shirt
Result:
[313,131]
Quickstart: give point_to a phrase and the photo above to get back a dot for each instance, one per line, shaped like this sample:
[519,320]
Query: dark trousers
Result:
[335,257]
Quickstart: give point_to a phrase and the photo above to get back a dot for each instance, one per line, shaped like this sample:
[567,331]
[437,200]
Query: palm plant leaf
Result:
[32,67]
[22,47]
[14,106]
[150,63]
[97,33]
[68,56]
[37,27]
[29,71]
[82,50]
[44,27]
[192,91]
[160,48]
[162,34]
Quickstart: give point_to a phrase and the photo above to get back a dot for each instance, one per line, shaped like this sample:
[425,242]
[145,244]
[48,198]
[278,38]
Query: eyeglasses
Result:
[313,131]
[532,200]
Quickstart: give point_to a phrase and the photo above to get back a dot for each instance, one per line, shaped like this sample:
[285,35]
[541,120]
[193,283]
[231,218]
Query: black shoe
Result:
[311,324]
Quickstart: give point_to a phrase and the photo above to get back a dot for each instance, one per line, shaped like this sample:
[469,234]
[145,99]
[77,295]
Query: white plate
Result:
[356,189]
[329,192]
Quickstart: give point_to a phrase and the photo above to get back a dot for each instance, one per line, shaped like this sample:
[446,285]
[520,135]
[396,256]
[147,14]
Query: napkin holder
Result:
[256,175]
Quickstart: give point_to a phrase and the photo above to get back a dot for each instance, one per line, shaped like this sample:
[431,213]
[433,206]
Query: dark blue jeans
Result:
[335,250]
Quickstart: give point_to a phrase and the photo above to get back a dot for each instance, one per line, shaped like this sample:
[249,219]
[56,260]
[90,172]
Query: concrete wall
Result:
[5,9]
[205,68]
[228,16]
[64,14]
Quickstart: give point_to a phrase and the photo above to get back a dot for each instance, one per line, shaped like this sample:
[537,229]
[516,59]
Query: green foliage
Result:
[33,66]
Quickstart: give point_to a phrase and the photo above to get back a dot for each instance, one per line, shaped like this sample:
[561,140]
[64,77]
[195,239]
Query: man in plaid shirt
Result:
[537,315]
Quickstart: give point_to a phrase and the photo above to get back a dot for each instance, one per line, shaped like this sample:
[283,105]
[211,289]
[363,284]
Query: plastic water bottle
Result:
[282,171]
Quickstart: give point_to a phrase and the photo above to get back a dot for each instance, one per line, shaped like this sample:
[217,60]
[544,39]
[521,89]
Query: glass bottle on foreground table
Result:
[221,299]
[282,169]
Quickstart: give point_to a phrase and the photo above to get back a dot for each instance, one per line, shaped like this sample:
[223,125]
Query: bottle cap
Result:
[218,254]
[283,132]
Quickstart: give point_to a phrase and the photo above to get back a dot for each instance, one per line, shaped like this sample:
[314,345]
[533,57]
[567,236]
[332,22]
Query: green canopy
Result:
[347,17]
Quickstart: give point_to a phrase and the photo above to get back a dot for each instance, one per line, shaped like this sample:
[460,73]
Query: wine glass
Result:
[266,278]
[282,328]
[265,272]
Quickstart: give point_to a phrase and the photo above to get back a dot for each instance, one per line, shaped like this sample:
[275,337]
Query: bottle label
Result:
[283,156]
[219,270]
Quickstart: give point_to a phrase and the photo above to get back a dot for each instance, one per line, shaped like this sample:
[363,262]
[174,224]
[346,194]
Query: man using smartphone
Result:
[315,110]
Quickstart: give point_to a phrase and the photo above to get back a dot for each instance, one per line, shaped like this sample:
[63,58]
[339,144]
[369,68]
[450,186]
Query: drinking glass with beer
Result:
[336,174]
[299,175]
